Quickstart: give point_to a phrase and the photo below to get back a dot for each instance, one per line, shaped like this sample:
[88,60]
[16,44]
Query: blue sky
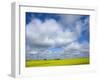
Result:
[56,32]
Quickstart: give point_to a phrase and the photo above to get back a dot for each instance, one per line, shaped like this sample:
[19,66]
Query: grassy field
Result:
[73,61]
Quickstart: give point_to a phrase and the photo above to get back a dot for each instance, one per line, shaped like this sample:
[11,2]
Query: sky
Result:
[50,34]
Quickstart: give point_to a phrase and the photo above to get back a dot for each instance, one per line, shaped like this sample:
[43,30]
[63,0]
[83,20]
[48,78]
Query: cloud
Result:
[76,23]
[78,46]
[79,49]
[70,19]
[47,34]
[50,33]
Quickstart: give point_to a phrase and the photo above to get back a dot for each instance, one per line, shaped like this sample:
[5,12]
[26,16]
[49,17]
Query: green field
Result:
[62,62]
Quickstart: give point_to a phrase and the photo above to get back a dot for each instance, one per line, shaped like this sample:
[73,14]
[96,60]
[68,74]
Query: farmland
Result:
[60,62]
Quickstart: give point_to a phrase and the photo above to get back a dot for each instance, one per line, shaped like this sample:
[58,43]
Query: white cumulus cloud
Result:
[47,34]
[42,35]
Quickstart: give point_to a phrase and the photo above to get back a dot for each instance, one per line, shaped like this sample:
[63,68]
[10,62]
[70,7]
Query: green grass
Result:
[62,62]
